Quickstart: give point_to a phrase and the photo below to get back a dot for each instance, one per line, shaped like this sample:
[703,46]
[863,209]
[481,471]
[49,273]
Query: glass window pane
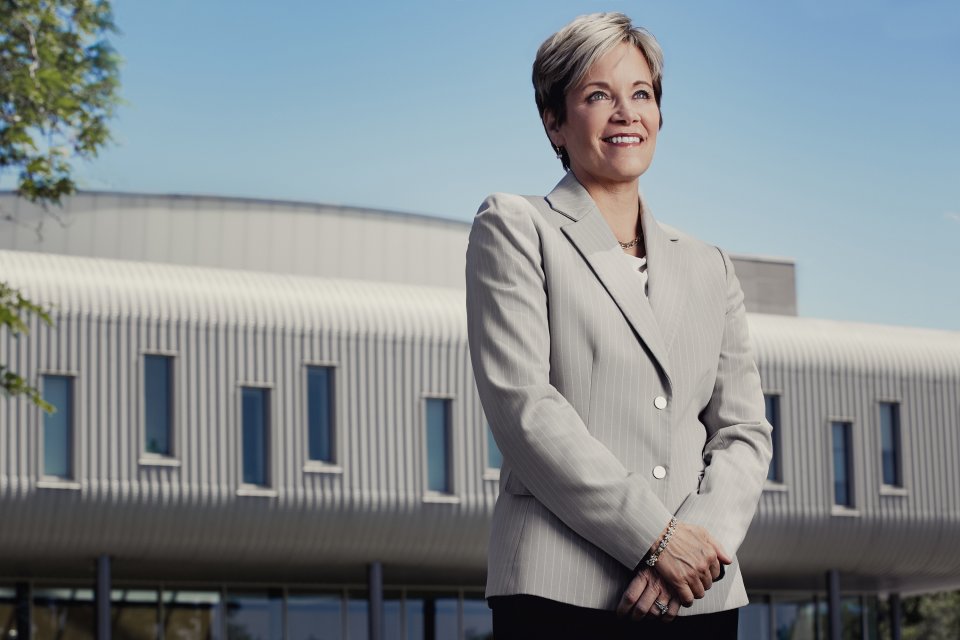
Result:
[320,413]
[890,442]
[477,619]
[872,614]
[314,616]
[8,613]
[58,427]
[851,619]
[754,621]
[254,615]
[256,424]
[392,616]
[438,444]
[446,618]
[134,614]
[795,619]
[494,457]
[67,614]
[772,404]
[358,626]
[158,403]
[822,618]
[431,610]
[842,481]
[191,614]
[414,606]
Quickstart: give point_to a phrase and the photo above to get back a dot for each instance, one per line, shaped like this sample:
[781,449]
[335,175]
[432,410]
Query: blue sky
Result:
[821,131]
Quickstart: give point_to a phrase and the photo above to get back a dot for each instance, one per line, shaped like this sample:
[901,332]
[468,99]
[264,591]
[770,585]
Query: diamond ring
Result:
[661,606]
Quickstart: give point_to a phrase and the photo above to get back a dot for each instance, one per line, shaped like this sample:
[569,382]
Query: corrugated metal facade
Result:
[893,537]
[392,346]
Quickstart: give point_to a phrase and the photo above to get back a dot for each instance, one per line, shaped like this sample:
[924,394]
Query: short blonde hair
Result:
[565,57]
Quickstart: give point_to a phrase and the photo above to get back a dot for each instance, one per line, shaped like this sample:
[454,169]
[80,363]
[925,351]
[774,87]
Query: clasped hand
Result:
[686,569]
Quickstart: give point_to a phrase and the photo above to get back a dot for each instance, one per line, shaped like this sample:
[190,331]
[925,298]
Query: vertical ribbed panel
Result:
[391,345]
[827,371]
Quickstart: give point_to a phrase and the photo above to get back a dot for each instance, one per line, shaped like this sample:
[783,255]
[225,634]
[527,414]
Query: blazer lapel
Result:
[665,268]
[592,236]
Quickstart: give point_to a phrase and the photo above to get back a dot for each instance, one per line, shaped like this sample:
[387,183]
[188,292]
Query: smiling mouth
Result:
[623,139]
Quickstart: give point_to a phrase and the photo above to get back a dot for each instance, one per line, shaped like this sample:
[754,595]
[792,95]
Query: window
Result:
[842,464]
[254,614]
[320,413]
[438,445]
[494,457]
[256,435]
[58,427]
[890,443]
[772,405]
[158,404]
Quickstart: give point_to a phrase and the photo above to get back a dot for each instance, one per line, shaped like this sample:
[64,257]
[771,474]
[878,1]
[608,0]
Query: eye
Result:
[643,94]
[596,95]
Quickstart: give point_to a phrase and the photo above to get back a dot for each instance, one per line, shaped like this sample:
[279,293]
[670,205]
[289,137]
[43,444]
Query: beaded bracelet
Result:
[652,560]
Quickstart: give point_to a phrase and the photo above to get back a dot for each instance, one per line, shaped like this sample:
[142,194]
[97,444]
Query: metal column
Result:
[430,618]
[896,616]
[375,582]
[103,597]
[834,628]
[24,603]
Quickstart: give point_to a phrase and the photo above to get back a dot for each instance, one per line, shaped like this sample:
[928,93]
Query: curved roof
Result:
[856,345]
[131,288]
[119,287]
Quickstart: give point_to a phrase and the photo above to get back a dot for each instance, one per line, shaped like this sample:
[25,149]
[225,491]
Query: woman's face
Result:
[610,132]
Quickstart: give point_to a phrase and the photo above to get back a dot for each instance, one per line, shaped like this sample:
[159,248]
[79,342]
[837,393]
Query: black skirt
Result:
[527,617]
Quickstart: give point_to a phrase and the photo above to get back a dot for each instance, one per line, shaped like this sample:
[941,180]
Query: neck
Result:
[619,203]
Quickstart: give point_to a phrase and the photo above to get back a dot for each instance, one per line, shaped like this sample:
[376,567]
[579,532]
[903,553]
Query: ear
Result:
[553,129]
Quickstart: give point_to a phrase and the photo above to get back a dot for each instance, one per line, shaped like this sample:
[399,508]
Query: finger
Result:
[706,573]
[697,587]
[645,605]
[632,594]
[684,594]
[722,555]
[716,570]
[673,608]
[706,579]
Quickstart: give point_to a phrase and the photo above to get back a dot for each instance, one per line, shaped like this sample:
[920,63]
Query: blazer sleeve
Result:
[738,449]
[542,436]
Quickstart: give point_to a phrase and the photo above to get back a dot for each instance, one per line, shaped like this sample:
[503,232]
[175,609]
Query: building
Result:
[268,428]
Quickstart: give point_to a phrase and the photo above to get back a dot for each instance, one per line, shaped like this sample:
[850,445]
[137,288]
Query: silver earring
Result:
[559,151]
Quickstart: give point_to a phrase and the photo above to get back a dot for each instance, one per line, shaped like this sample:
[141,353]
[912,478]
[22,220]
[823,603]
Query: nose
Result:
[626,112]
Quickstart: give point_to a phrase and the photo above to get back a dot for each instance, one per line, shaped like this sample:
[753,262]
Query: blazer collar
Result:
[654,322]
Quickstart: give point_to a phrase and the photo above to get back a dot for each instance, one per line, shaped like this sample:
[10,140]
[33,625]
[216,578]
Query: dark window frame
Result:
[449,488]
[267,437]
[846,426]
[71,427]
[775,471]
[896,443]
[171,452]
[331,413]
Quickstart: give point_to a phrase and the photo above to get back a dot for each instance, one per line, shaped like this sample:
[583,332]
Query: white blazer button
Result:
[659,472]
[660,402]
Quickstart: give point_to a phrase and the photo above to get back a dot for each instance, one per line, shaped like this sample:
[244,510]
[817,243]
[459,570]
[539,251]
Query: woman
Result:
[613,363]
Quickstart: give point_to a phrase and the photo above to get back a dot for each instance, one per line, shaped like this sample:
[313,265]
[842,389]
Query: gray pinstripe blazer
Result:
[570,359]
